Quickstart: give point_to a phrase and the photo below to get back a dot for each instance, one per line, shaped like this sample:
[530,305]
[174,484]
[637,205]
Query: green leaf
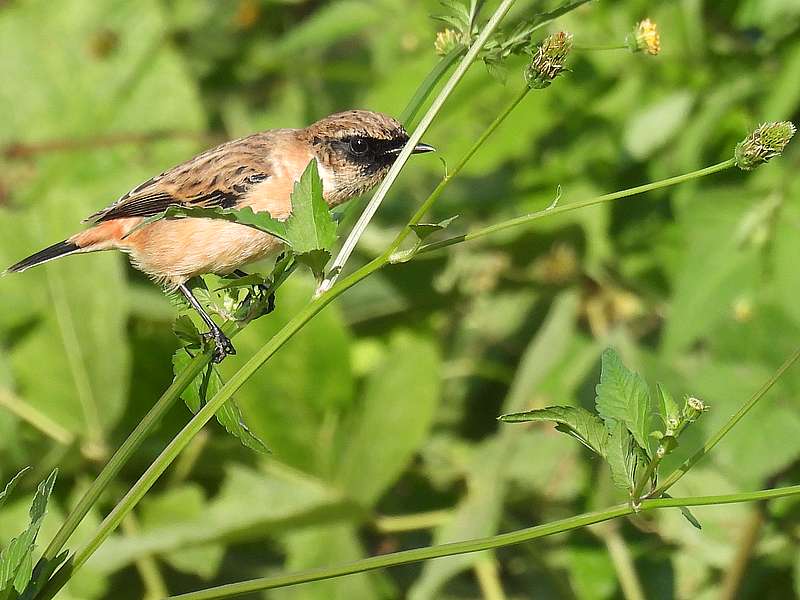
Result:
[687,514]
[622,396]
[400,400]
[578,422]
[310,229]
[243,216]
[424,230]
[186,332]
[670,411]
[308,382]
[11,485]
[622,457]
[166,512]
[16,560]
[205,386]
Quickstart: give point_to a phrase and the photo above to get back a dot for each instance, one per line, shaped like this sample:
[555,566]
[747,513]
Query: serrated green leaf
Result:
[310,226]
[622,457]
[205,386]
[16,560]
[578,422]
[458,24]
[669,408]
[310,229]
[622,396]
[243,216]
[11,485]
[186,331]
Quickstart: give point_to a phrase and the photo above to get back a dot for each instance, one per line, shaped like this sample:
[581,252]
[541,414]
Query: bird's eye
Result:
[359,146]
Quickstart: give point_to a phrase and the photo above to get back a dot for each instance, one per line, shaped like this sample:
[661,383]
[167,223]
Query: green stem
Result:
[198,421]
[131,444]
[636,496]
[487,543]
[36,418]
[401,523]
[125,452]
[349,244]
[717,437]
[427,85]
[557,210]
[601,47]
[623,564]
[437,192]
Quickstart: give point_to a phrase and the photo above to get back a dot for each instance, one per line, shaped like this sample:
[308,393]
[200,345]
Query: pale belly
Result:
[172,251]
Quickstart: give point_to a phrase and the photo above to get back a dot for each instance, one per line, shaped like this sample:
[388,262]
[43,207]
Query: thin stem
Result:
[487,543]
[557,210]
[427,85]
[197,422]
[636,496]
[352,239]
[623,564]
[125,451]
[131,444]
[601,47]
[489,579]
[36,418]
[717,437]
[437,192]
[400,523]
[751,533]
[153,582]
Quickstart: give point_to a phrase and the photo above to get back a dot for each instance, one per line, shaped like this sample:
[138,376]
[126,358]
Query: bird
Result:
[354,150]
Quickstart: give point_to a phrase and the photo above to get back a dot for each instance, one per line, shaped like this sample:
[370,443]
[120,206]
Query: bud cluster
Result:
[548,60]
[766,142]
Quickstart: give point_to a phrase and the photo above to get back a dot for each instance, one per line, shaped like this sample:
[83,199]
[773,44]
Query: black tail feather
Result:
[49,253]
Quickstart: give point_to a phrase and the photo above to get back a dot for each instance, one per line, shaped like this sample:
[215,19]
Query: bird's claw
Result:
[222,345]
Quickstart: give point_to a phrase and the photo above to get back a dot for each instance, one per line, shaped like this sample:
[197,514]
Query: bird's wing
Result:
[219,177]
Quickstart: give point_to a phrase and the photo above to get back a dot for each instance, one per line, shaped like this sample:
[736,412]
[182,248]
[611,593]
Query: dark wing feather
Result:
[219,177]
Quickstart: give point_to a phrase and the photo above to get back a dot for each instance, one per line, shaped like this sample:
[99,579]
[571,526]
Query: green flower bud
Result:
[766,142]
[693,409]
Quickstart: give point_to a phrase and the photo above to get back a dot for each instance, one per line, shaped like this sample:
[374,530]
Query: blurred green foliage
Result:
[386,403]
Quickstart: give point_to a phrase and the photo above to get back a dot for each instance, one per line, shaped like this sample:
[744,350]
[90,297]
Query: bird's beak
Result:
[423,148]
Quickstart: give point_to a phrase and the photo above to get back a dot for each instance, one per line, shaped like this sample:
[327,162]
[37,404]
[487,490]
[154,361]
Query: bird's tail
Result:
[50,253]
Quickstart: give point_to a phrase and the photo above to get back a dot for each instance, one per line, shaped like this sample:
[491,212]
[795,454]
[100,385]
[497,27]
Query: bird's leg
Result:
[222,345]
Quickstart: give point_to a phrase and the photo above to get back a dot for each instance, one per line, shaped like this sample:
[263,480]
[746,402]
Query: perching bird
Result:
[353,149]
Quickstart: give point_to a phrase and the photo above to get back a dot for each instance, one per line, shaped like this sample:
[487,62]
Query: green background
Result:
[385,404]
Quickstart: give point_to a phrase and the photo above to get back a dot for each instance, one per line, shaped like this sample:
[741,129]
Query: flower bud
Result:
[693,409]
[446,41]
[645,38]
[766,142]
[548,60]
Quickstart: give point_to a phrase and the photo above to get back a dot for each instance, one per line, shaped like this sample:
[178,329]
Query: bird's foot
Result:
[222,345]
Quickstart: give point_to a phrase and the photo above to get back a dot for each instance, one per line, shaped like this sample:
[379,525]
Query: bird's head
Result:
[354,151]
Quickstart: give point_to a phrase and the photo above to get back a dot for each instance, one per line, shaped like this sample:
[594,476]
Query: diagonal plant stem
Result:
[487,543]
[717,437]
[358,229]
[557,210]
[427,85]
[148,423]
